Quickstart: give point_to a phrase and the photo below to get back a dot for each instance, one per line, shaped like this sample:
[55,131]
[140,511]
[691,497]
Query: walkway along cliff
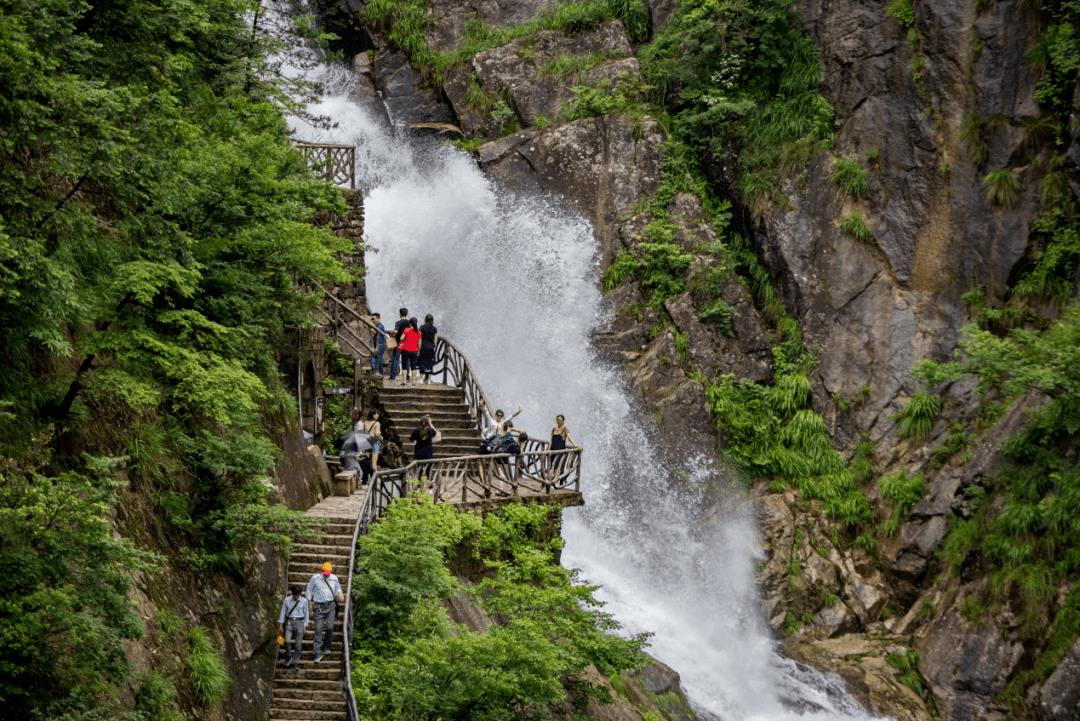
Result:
[470,482]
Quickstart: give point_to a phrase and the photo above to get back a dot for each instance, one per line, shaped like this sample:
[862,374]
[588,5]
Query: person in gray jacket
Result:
[291,624]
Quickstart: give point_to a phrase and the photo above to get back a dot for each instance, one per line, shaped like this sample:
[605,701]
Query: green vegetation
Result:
[154,225]
[404,22]
[903,11]
[855,226]
[742,71]
[850,176]
[206,665]
[155,698]
[907,664]
[411,661]
[973,136]
[902,493]
[771,433]
[1001,187]
[1056,57]
[917,418]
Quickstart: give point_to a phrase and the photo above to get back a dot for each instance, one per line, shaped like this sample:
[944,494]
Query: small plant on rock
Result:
[1001,187]
[903,11]
[917,418]
[855,226]
[849,176]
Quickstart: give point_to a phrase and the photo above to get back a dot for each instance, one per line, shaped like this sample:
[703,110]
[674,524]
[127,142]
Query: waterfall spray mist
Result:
[513,282]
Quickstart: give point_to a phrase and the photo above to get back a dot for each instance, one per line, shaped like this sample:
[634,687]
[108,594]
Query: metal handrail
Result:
[334,162]
[348,623]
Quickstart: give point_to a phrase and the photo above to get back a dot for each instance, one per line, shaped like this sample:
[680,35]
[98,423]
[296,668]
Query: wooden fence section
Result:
[333,162]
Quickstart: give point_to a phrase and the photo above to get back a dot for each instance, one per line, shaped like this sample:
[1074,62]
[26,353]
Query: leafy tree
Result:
[411,661]
[155,239]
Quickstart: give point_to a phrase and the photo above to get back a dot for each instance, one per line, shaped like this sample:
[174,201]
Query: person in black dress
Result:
[429,336]
[560,436]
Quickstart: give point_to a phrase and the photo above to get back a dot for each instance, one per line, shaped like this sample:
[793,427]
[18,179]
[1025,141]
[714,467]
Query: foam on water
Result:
[513,282]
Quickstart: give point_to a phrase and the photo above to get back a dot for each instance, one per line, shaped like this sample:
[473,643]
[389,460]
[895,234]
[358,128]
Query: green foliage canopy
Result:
[411,661]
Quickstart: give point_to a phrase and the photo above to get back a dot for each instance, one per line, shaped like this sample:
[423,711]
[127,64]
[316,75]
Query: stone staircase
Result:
[314,692]
[448,411]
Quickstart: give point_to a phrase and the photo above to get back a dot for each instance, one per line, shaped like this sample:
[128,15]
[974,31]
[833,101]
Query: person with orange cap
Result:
[324,591]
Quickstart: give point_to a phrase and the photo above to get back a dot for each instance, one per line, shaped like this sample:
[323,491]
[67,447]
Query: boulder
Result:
[403,91]
[966,665]
[1059,697]
[600,167]
[447,18]
[522,72]
[859,660]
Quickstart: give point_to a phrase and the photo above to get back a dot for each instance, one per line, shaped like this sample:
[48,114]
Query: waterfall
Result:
[513,282]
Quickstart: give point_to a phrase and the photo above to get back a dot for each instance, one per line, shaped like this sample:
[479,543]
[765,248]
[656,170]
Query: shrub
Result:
[719,313]
[209,675]
[849,176]
[855,226]
[625,265]
[917,418]
[903,11]
[1001,187]
[155,697]
[903,493]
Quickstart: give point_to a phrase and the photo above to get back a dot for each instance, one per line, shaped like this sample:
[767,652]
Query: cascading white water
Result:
[513,282]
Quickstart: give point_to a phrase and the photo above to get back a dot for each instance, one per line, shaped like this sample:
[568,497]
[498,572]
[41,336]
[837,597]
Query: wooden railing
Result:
[465,478]
[456,370]
[333,162]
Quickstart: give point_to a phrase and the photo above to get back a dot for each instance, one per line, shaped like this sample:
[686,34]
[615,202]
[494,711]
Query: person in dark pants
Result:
[395,358]
[378,342]
[324,590]
[291,624]
[429,338]
[423,438]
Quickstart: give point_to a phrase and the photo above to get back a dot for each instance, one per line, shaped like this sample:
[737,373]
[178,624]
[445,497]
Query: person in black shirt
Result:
[395,357]
[423,437]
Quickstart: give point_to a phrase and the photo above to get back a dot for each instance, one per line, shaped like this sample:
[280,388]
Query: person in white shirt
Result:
[323,590]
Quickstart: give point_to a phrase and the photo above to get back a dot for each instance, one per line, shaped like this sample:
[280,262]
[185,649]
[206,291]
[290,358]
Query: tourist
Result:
[395,357]
[324,592]
[374,429]
[429,337]
[495,420]
[423,438]
[378,342]
[410,350]
[292,621]
[560,436]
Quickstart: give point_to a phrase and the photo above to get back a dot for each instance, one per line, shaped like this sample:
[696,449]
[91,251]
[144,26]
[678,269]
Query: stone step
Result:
[317,548]
[295,681]
[307,693]
[296,715]
[455,422]
[316,672]
[336,540]
[338,559]
[321,704]
[426,404]
[429,389]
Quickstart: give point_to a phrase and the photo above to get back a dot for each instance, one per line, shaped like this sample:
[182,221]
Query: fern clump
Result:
[850,176]
[856,226]
[1001,187]
[917,418]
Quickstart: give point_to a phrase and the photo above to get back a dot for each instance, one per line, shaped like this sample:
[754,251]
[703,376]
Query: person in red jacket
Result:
[410,351]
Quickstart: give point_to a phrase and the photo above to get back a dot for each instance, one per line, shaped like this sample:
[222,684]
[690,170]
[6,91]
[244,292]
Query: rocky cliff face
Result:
[877,608]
